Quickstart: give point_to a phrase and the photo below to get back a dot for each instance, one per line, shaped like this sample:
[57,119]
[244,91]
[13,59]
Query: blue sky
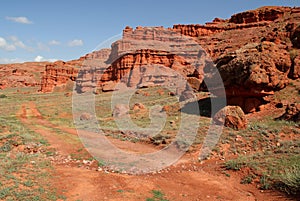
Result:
[48,30]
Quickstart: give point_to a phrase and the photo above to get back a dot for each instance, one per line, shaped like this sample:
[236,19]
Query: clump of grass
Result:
[248,179]
[290,180]
[157,196]
[235,164]
[3,96]
[265,183]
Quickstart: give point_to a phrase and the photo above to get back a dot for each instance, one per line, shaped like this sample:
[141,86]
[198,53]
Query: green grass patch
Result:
[157,195]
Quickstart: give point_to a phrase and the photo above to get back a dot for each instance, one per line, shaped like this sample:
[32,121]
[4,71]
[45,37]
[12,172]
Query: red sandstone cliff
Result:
[255,51]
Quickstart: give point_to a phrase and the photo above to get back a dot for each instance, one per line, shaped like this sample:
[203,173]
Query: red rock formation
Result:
[252,50]
[26,74]
[262,14]
[58,74]
[197,29]
[136,69]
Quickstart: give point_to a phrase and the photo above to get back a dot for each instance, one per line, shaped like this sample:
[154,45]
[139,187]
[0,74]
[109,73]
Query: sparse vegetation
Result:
[248,179]
[3,96]
[157,196]
[24,171]
[289,181]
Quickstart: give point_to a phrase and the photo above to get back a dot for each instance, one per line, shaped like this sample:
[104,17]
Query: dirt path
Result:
[185,181]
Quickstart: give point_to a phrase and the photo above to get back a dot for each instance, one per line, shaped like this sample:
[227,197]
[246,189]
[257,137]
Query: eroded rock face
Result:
[252,51]
[26,74]
[58,74]
[231,116]
[132,63]
[254,16]
[254,70]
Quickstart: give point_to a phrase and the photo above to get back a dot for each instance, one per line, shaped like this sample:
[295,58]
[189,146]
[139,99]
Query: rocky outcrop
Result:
[262,14]
[141,63]
[249,19]
[26,74]
[255,60]
[255,52]
[252,72]
[59,74]
[292,113]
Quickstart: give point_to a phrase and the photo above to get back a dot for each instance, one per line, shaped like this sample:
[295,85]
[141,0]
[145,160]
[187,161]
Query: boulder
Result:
[120,110]
[138,107]
[231,116]
[85,116]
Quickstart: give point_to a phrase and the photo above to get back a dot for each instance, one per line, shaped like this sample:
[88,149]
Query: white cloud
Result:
[16,42]
[11,43]
[41,58]
[7,60]
[22,20]
[54,42]
[6,46]
[75,42]
[38,58]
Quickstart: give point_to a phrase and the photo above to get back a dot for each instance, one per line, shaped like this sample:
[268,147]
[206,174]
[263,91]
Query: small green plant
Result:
[5,148]
[264,182]
[157,196]
[28,183]
[3,96]
[226,174]
[101,163]
[235,164]
[248,179]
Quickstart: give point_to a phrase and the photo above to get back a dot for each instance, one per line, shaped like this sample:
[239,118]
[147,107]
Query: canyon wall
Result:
[256,53]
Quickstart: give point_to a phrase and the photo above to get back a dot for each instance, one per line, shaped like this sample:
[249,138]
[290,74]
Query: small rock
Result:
[292,113]
[85,162]
[85,116]
[138,106]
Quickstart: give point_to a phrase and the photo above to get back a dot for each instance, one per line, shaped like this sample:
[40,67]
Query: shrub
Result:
[264,182]
[157,196]
[235,164]
[290,180]
[3,96]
